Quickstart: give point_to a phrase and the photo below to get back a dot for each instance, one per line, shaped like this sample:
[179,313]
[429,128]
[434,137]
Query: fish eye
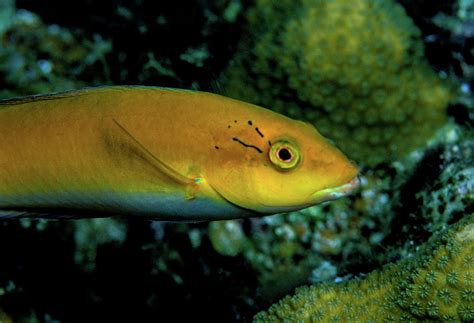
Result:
[284,155]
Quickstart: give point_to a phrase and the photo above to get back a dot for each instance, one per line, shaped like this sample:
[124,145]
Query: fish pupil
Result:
[284,154]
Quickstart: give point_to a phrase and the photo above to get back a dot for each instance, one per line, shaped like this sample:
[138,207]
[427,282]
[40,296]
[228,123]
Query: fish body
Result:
[160,153]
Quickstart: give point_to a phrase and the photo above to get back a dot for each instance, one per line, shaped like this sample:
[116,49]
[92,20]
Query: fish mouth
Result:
[334,193]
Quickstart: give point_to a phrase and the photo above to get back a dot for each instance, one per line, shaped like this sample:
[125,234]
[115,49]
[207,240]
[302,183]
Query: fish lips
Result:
[334,193]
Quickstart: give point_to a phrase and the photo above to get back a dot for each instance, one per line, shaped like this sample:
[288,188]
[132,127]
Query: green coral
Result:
[437,284]
[355,70]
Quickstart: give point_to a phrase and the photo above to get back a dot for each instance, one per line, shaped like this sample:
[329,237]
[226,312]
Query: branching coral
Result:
[355,70]
[436,284]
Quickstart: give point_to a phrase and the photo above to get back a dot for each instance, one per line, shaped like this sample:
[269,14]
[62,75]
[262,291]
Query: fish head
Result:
[279,164]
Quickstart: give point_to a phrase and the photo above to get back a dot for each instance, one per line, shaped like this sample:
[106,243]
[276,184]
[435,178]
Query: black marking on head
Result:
[247,145]
[259,132]
[217,147]
[250,122]
[235,121]
[269,143]
[228,127]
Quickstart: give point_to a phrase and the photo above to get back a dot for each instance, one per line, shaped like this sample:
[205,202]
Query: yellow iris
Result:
[284,155]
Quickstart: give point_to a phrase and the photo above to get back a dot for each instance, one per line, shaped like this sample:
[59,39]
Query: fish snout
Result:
[334,193]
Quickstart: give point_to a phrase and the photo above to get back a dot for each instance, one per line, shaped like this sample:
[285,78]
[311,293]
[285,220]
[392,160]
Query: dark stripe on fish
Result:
[247,145]
[259,132]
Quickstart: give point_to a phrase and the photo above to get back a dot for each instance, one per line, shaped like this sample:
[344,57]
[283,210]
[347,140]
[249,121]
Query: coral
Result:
[434,188]
[436,284]
[356,71]
[453,192]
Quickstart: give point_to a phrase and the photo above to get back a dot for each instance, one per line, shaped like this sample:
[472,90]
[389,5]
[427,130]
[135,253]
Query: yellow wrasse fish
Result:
[160,153]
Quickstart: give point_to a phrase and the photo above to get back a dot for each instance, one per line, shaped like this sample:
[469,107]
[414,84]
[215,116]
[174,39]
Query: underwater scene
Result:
[146,199]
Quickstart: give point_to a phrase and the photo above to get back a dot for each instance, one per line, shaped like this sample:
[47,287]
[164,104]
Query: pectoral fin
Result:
[146,155]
